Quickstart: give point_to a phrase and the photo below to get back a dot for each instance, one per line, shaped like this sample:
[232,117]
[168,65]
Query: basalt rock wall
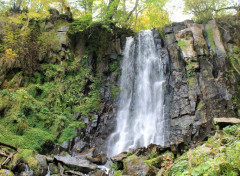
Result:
[201,82]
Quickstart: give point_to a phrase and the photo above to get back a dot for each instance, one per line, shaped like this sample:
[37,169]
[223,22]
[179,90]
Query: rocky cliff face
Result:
[202,82]
[202,73]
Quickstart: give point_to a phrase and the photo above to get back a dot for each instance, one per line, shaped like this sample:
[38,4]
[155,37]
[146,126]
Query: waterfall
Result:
[140,115]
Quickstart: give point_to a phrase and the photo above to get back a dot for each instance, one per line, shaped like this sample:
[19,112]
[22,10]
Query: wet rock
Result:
[64,145]
[94,121]
[53,168]
[63,38]
[49,159]
[119,157]
[16,163]
[88,153]
[63,29]
[200,43]
[100,159]
[135,165]
[79,146]
[81,165]
[113,56]
[71,172]
[220,50]
[186,42]
[98,173]
[41,168]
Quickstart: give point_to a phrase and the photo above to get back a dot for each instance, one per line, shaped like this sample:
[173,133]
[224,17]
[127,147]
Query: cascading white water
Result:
[140,115]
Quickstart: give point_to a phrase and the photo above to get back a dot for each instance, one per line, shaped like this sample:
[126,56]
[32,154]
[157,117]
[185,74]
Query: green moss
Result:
[45,108]
[156,161]
[116,166]
[117,173]
[70,131]
[182,43]
[235,64]
[191,66]
[210,38]
[29,158]
[191,81]
[218,156]
[200,105]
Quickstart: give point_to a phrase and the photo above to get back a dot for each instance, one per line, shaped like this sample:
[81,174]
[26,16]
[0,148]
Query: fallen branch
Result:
[3,154]
[8,145]
[9,158]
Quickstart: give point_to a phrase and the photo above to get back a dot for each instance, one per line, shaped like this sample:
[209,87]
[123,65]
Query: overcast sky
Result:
[175,9]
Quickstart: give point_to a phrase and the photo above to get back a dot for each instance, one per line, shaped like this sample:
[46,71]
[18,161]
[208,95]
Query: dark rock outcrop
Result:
[135,165]
[81,165]
[198,88]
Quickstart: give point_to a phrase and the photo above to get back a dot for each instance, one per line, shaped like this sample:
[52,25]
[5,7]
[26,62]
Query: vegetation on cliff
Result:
[47,89]
[219,155]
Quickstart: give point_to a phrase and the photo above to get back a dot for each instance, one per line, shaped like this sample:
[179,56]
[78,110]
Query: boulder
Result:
[100,159]
[5,172]
[98,173]
[49,26]
[71,172]
[41,168]
[63,29]
[135,165]
[83,155]
[226,121]
[73,163]
[53,168]
[119,157]
[186,43]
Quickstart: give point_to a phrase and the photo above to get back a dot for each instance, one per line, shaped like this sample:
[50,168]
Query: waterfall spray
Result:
[140,115]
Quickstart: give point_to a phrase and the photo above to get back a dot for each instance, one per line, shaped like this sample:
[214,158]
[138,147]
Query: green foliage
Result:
[153,155]
[205,10]
[70,131]
[117,173]
[28,157]
[178,168]
[235,59]
[115,166]
[45,107]
[230,129]
[81,24]
[23,44]
[218,156]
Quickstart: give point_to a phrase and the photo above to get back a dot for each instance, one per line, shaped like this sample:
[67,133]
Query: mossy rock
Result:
[5,172]
[135,165]
[17,158]
[53,168]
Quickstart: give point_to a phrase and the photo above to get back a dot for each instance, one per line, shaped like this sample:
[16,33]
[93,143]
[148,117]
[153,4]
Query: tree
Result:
[150,14]
[204,10]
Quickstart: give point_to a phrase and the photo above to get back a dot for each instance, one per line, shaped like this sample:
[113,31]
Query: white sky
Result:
[175,9]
